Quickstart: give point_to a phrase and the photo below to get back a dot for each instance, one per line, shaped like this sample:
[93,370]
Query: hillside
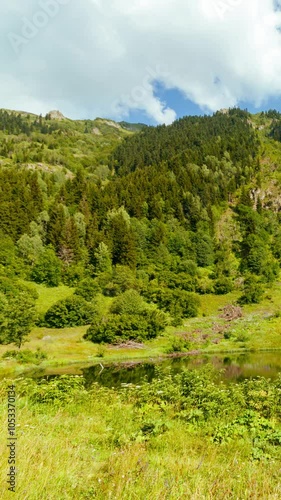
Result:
[153,219]
[55,143]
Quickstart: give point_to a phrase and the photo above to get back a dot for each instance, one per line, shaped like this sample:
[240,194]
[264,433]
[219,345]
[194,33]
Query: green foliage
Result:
[223,286]
[178,344]
[253,291]
[48,269]
[179,303]
[7,252]
[204,249]
[101,351]
[30,248]
[147,213]
[103,259]
[73,274]
[117,328]
[58,391]
[88,289]
[73,311]
[122,279]
[17,312]
[26,356]
[191,139]
[129,302]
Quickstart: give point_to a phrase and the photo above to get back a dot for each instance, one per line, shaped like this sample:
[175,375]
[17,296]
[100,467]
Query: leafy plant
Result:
[26,356]
[73,311]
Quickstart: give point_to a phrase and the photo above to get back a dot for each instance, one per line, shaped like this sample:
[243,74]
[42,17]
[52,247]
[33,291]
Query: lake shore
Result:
[258,330]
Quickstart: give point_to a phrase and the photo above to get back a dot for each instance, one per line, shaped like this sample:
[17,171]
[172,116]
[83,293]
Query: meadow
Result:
[183,437]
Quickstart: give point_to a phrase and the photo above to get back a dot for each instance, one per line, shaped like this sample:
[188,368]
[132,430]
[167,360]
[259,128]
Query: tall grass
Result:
[106,444]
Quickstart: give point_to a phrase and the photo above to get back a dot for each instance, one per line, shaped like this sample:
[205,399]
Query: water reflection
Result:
[234,367]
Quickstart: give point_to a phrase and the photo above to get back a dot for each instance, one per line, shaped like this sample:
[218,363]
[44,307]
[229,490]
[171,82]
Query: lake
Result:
[236,367]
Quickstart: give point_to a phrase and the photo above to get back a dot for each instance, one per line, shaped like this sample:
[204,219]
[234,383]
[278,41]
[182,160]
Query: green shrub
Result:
[17,311]
[88,289]
[122,279]
[116,328]
[129,302]
[73,311]
[223,286]
[178,344]
[101,351]
[178,303]
[253,291]
[26,356]
[57,391]
[180,281]
[73,274]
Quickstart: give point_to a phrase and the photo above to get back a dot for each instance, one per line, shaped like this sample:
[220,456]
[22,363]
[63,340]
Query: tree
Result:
[17,317]
[7,251]
[204,248]
[103,259]
[122,241]
[30,248]
[48,269]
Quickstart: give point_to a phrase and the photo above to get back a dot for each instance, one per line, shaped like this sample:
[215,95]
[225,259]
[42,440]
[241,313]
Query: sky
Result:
[147,61]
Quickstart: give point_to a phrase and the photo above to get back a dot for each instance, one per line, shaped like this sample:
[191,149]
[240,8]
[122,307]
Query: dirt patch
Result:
[231,312]
[129,345]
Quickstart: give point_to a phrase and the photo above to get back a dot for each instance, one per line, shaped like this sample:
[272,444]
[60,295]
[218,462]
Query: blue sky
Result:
[183,106]
[139,60]
[175,100]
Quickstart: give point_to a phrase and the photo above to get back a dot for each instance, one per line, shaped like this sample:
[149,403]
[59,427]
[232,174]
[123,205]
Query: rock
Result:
[48,338]
[56,115]
[96,131]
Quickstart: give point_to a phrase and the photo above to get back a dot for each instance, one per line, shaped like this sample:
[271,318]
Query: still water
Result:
[236,367]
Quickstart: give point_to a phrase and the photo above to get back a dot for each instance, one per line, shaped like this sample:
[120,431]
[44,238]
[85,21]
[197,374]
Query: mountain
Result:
[54,142]
[168,213]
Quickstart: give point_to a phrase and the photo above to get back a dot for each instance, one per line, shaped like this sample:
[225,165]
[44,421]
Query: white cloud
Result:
[103,57]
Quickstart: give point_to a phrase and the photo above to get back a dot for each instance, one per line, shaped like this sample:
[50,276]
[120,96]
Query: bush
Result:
[178,303]
[117,328]
[253,291]
[122,279]
[174,281]
[73,274]
[17,312]
[12,288]
[223,286]
[58,391]
[88,289]
[130,302]
[73,311]
[26,356]
[178,344]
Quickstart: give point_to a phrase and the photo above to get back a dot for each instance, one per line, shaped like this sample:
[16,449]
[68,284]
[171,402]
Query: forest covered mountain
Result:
[152,216]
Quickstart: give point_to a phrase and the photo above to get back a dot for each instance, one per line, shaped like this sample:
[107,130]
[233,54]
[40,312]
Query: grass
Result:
[49,296]
[92,448]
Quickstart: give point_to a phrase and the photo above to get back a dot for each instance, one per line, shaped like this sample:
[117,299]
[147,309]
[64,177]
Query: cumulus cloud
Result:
[105,57]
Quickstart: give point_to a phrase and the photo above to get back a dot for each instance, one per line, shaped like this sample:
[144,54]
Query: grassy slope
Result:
[66,148]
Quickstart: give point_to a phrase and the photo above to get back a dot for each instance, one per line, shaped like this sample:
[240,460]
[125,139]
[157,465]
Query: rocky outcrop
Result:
[56,115]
